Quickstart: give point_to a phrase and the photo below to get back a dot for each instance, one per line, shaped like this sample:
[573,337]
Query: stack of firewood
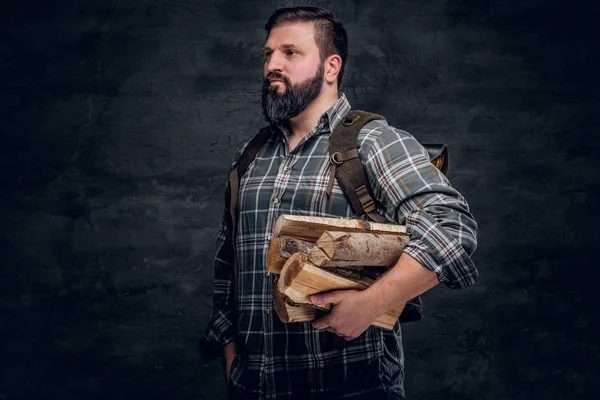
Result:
[313,255]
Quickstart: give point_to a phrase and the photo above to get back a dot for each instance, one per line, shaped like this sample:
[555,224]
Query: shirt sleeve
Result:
[410,190]
[221,328]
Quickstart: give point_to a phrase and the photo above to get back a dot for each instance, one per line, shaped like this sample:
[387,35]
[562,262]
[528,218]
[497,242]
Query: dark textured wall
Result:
[119,121]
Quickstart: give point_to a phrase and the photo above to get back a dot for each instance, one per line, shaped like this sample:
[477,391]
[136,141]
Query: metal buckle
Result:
[350,119]
[334,160]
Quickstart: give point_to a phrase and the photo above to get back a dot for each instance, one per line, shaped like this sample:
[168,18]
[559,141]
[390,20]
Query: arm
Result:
[219,336]
[410,190]
[354,310]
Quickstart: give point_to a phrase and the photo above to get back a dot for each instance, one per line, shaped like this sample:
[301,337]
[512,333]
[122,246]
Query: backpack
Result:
[350,174]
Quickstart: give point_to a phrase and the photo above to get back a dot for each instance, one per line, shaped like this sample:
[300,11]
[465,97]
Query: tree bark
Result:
[357,249]
[281,248]
[311,228]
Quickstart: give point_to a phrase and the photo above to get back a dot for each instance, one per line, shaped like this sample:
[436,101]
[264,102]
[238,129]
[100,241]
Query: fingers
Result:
[331,329]
[322,323]
[327,298]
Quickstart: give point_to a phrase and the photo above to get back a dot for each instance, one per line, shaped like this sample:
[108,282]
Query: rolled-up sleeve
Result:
[221,328]
[410,190]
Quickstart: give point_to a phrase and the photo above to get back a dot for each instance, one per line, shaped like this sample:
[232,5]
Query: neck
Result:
[306,121]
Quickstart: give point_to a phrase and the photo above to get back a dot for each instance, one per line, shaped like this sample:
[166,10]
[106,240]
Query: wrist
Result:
[372,301]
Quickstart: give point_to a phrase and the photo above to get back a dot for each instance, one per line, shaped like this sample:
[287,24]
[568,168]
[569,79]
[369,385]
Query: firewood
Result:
[355,274]
[288,311]
[300,278]
[281,248]
[311,228]
[357,249]
[317,256]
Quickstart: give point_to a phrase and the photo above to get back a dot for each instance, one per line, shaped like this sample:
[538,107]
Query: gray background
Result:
[119,121]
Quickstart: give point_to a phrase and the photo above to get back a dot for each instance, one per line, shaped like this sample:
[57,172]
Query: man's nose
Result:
[275,62]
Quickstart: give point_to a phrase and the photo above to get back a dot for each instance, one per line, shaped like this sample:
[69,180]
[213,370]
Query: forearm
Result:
[406,280]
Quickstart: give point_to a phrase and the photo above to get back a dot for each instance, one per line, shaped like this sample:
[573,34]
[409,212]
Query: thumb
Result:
[325,298]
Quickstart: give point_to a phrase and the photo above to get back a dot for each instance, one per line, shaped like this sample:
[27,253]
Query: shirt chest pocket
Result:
[311,198]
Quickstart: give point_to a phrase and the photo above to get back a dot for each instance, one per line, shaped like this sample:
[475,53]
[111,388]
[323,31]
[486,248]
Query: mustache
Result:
[276,76]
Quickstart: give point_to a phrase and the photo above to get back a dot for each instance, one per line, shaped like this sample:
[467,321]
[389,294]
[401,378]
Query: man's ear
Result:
[333,65]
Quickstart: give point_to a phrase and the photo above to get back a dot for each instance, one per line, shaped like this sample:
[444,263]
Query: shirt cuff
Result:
[438,251]
[218,333]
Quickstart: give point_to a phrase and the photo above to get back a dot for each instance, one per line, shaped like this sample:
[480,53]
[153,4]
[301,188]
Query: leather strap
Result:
[346,165]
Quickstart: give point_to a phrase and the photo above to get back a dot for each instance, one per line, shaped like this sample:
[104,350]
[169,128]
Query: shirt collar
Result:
[336,112]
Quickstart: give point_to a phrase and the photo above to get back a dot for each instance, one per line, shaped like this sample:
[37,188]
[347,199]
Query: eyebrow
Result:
[285,46]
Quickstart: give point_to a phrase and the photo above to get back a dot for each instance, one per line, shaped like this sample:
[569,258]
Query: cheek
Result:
[298,74]
[304,72]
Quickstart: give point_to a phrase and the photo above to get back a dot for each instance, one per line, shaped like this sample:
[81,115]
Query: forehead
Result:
[299,34]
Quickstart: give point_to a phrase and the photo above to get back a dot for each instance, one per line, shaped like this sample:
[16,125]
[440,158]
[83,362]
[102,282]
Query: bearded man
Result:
[304,58]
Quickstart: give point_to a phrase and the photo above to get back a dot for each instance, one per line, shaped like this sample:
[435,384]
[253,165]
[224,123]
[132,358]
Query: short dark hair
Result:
[330,35]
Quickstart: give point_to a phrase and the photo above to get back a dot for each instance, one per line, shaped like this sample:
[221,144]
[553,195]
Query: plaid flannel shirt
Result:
[296,361]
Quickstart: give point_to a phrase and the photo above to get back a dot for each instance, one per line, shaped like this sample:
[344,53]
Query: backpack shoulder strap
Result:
[348,169]
[346,165]
[245,159]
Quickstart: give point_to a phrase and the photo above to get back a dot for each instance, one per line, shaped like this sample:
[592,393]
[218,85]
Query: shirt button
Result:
[267,310]
[275,200]
[286,169]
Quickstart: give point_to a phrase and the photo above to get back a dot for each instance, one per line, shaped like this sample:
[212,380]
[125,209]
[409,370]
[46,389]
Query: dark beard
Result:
[279,108]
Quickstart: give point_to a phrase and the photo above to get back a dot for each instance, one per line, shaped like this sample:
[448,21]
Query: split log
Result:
[288,311]
[281,248]
[366,276]
[300,278]
[357,249]
[311,228]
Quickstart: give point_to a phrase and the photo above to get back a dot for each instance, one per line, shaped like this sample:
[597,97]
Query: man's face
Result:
[293,71]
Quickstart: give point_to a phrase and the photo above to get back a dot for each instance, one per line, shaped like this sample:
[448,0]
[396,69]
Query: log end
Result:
[289,311]
[318,256]
[291,269]
[274,260]
[300,312]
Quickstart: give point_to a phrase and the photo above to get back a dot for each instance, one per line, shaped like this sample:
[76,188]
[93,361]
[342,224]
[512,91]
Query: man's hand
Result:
[353,311]
[350,315]
[229,353]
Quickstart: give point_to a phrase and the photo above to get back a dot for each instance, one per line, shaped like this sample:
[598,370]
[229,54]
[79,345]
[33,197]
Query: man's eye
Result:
[291,52]
[267,54]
